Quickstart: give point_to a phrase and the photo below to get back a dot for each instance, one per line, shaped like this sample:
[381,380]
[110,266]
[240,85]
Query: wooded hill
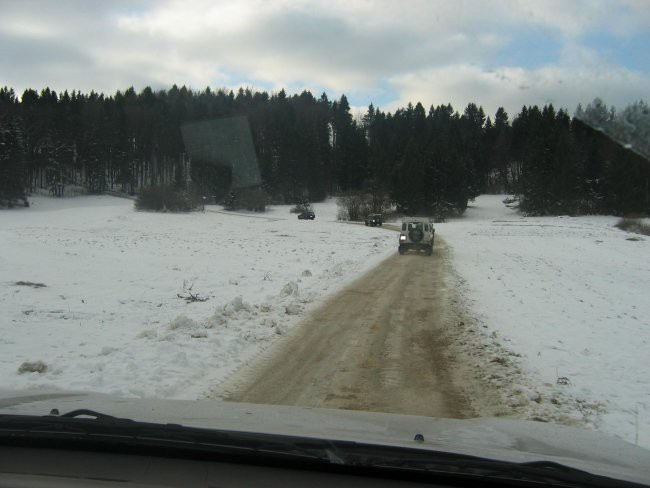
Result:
[424,161]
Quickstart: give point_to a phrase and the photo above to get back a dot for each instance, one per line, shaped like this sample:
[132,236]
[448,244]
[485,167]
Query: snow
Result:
[563,305]
[560,316]
[109,318]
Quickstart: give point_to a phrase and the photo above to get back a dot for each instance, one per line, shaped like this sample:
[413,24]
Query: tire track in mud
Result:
[381,344]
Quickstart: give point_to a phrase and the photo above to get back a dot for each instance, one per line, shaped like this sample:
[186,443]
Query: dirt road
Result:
[378,345]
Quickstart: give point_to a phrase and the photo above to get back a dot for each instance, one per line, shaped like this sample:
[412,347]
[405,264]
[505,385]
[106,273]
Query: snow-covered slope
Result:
[109,318]
[571,295]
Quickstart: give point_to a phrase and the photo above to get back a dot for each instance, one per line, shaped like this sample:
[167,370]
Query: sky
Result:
[505,53]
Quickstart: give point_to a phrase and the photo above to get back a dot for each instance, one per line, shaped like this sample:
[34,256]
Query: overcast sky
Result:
[501,53]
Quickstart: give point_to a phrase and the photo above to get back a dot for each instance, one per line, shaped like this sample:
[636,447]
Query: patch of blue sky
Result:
[628,51]
[380,96]
[528,49]
[234,81]
[120,10]
[296,87]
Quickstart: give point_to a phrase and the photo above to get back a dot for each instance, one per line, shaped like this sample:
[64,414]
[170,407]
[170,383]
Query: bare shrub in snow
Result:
[302,205]
[253,199]
[32,367]
[357,206]
[634,225]
[192,297]
[353,207]
[300,208]
[167,198]
[189,296]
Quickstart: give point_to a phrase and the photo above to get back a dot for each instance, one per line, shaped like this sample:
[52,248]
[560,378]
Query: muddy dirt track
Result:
[378,345]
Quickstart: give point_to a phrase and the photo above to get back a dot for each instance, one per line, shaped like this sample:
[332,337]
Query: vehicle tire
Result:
[401,251]
[416,235]
[430,251]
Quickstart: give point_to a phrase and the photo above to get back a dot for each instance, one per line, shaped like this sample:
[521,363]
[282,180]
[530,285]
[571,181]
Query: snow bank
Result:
[116,312]
[562,307]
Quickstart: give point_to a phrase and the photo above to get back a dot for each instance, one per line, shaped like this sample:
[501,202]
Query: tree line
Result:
[423,161]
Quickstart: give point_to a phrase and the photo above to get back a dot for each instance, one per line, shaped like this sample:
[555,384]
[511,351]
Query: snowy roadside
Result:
[109,318]
[562,316]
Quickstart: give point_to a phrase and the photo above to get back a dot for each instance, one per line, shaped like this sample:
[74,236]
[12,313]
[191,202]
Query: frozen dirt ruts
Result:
[377,345]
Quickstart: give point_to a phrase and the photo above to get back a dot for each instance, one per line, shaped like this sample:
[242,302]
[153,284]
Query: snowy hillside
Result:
[571,296]
[109,318]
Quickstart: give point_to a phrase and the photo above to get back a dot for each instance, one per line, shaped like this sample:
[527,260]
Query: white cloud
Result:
[416,50]
[513,88]
[180,21]
[29,28]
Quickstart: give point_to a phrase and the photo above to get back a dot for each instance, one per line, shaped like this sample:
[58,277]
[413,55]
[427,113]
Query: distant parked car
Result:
[307,214]
[374,219]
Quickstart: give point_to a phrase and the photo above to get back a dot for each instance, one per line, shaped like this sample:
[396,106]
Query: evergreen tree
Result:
[426,162]
[12,155]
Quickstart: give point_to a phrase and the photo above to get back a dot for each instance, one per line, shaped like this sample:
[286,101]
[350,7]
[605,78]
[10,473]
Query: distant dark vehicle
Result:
[306,215]
[374,219]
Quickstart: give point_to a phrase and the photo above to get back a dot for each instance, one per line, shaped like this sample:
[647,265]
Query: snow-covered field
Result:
[571,296]
[109,318]
[561,304]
